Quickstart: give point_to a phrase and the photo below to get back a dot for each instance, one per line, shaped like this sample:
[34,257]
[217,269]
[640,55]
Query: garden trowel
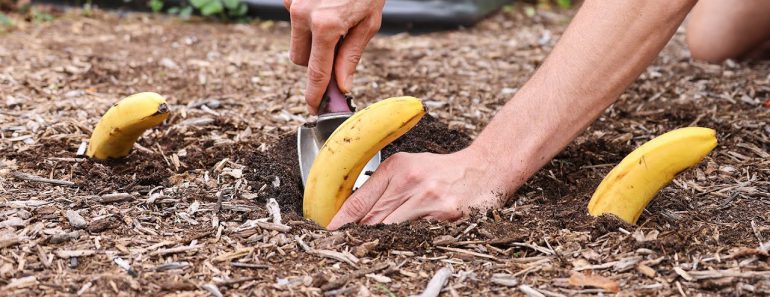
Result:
[334,109]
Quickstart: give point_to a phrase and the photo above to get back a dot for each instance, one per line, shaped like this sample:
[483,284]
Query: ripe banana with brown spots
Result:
[124,123]
[349,148]
[632,184]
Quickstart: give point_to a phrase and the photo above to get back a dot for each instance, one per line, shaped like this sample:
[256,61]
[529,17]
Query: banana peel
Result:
[635,181]
[124,123]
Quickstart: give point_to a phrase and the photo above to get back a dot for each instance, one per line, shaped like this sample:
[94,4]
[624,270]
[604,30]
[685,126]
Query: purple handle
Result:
[337,102]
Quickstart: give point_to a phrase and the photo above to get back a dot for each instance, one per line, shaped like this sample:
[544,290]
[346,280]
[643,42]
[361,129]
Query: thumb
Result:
[362,200]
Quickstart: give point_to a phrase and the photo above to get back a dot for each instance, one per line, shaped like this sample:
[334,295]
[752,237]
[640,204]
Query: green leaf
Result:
[231,4]
[173,10]
[200,3]
[212,8]
[242,10]
[564,3]
[156,5]
[5,21]
[186,12]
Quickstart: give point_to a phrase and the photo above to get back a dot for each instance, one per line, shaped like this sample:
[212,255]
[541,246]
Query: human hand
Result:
[413,186]
[316,27]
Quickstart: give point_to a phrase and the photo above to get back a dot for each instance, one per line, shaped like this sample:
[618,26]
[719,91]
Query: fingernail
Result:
[348,85]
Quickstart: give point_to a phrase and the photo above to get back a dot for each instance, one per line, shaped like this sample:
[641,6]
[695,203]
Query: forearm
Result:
[604,49]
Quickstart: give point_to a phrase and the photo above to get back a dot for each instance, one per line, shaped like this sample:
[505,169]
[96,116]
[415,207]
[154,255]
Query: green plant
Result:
[41,16]
[155,5]
[564,4]
[5,22]
[224,9]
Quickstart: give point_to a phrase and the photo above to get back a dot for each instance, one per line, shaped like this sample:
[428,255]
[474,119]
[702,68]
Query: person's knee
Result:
[704,46]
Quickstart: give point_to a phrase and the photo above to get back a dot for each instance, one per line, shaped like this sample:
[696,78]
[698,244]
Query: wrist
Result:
[499,174]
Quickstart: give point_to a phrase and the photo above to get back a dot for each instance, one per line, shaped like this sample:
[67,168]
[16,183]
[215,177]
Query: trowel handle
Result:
[334,100]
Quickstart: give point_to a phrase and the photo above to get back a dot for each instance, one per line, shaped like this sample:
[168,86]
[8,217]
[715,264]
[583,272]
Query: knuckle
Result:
[413,176]
[316,75]
[355,207]
[432,191]
[298,11]
[326,23]
[354,58]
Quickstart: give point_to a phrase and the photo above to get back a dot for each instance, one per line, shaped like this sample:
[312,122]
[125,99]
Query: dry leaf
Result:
[593,280]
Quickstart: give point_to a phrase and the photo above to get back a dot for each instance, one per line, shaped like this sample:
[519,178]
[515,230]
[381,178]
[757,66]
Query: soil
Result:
[201,181]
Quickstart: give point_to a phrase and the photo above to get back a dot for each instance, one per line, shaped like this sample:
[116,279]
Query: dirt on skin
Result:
[199,182]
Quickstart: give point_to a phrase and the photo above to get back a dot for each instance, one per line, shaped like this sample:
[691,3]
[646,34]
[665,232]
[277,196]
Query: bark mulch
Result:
[191,211]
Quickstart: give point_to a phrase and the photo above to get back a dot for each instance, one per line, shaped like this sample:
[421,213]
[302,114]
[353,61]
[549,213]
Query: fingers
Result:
[418,208]
[326,32]
[392,199]
[350,51]
[362,200]
[299,51]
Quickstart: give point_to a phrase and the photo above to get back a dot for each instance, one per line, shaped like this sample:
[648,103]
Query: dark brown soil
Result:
[57,78]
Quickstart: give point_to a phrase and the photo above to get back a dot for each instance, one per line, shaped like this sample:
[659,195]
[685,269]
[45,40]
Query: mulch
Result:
[186,213]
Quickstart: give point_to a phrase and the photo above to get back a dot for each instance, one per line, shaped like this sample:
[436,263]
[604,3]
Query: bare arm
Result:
[604,49]
[607,45]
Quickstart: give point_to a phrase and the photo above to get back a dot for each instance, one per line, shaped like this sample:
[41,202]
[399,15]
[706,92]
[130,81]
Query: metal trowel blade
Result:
[312,136]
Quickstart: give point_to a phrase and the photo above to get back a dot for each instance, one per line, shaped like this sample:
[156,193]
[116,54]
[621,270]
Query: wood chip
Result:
[19,283]
[274,226]
[480,255]
[646,270]
[594,280]
[437,282]
[342,257]
[233,255]
[115,197]
[504,279]
[365,248]
[75,219]
[686,276]
[529,291]
[8,239]
[180,249]
[66,254]
[38,179]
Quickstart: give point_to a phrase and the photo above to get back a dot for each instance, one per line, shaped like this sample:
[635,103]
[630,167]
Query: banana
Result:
[124,122]
[630,186]
[349,148]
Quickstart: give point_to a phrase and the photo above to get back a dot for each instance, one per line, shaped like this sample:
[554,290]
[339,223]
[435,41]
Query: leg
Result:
[718,30]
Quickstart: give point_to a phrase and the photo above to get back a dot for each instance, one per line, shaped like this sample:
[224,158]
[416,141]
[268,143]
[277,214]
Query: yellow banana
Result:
[349,148]
[630,186]
[124,122]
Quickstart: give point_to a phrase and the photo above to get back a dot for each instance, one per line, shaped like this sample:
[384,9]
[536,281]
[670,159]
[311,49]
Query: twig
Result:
[467,252]
[249,265]
[212,289]
[353,275]
[115,197]
[529,291]
[175,250]
[37,179]
[437,282]
[231,282]
[274,227]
